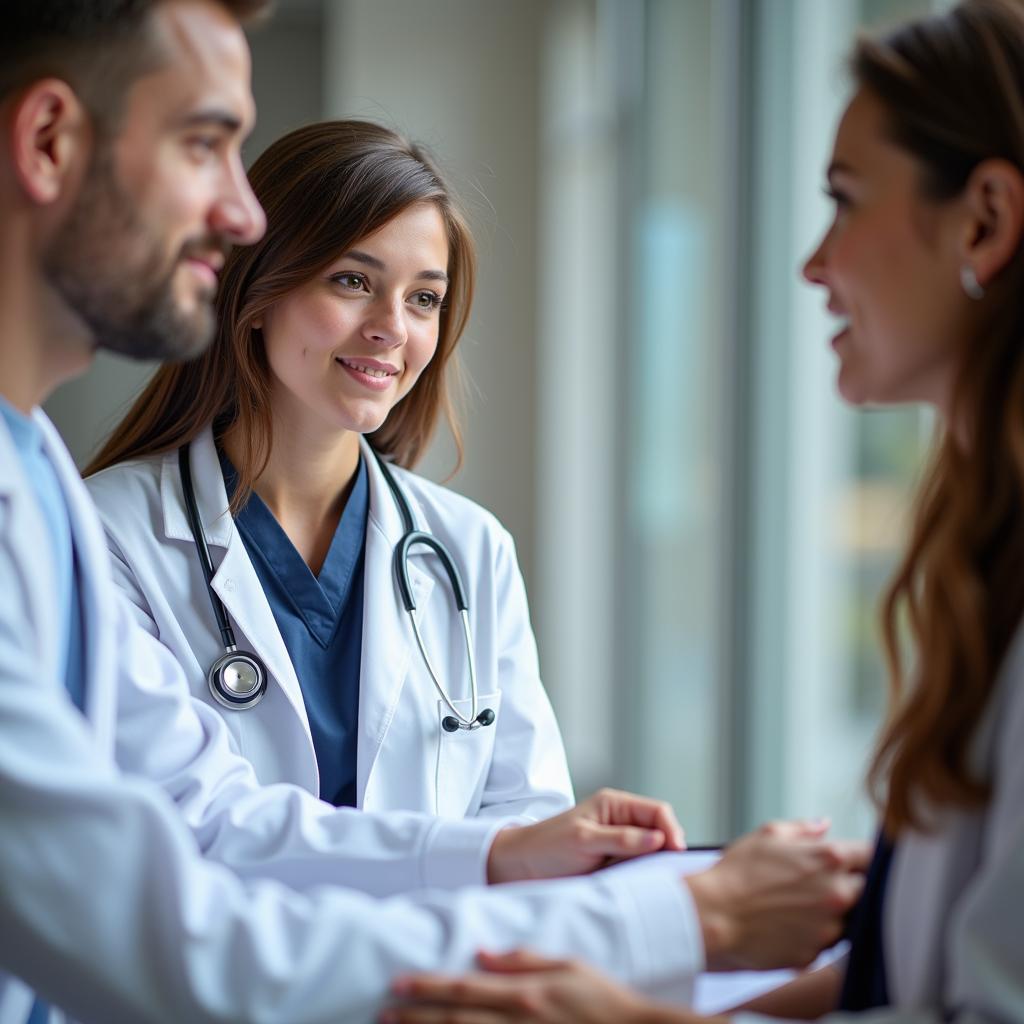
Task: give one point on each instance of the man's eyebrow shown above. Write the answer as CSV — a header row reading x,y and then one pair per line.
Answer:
x,y
211,117
371,261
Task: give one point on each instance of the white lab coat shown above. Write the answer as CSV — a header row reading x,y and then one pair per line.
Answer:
x,y
107,906
953,919
405,760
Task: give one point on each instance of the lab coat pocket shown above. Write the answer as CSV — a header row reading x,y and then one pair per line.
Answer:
x,y
464,758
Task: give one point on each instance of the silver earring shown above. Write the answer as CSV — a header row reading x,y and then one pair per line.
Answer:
x,y
969,283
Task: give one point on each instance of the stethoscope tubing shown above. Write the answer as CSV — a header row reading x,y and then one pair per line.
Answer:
x,y
227,634
227,665
410,538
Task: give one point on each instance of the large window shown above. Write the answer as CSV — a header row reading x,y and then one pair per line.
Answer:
x,y
750,519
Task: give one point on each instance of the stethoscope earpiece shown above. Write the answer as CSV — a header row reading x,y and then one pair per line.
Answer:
x,y
451,724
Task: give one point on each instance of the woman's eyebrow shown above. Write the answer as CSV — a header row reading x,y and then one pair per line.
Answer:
x,y
839,167
371,261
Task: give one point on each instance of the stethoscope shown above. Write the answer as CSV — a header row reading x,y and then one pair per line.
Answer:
x,y
238,678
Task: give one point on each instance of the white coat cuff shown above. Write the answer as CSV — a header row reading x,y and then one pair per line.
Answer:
x,y
456,852
663,932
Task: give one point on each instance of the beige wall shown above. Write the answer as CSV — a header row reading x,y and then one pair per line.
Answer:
x,y
461,76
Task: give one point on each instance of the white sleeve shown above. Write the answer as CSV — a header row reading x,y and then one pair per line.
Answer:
x,y
281,831
108,910
529,773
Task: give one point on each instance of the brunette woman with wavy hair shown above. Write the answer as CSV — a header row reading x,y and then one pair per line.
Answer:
x,y
335,343
923,264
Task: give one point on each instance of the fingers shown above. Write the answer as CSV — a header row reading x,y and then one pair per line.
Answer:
x,y
807,828
617,808
475,990
846,890
621,841
853,855
517,961
443,1015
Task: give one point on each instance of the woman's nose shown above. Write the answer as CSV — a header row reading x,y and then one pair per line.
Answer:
x,y
813,270
385,324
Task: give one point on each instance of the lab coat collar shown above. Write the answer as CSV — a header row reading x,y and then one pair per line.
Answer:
x,y
211,494
383,509
212,498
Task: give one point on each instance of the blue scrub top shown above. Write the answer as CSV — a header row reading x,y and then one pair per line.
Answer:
x,y
321,623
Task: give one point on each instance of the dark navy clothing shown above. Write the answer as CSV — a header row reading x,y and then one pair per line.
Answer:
x,y
321,623
865,986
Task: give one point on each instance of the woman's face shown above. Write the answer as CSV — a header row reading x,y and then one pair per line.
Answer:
x,y
348,345
890,262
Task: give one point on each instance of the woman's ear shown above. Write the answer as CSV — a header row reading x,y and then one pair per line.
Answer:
x,y
50,140
994,194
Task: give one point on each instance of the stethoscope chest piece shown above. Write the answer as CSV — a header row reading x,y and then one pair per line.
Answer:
x,y
238,680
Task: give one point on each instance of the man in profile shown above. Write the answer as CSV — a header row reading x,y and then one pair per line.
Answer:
x,y
121,186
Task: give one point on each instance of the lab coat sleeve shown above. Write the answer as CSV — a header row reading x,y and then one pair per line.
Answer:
x,y
108,910
280,831
984,950
529,774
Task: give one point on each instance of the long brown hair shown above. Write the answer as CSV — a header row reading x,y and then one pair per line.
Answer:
x,y
323,188
953,91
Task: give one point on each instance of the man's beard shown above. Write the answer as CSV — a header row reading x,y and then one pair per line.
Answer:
x,y
114,274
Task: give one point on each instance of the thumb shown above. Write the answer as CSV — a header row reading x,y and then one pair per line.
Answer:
x,y
623,840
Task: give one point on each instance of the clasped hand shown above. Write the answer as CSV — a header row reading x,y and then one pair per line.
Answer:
x,y
607,827
776,898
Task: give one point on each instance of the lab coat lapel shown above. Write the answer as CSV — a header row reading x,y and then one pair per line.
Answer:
x,y
96,589
388,639
234,580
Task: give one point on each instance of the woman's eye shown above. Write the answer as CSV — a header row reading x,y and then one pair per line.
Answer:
x,y
351,282
427,300
840,199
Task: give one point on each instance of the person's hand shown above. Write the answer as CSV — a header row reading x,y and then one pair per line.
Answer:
x,y
606,827
519,987
778,896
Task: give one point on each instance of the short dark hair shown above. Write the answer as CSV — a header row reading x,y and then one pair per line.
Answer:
x,y
99,47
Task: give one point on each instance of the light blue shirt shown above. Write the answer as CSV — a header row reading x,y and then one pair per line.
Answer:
x,y
28,440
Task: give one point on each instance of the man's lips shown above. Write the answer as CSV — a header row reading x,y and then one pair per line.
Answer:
x,y
205,268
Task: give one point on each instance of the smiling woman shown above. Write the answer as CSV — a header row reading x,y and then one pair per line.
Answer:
x,y
334,350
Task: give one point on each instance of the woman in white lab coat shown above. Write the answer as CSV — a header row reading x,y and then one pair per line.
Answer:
x,y
335,343
924,264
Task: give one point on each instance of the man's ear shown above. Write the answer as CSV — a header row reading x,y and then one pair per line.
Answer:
x,y
50,140
994,194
